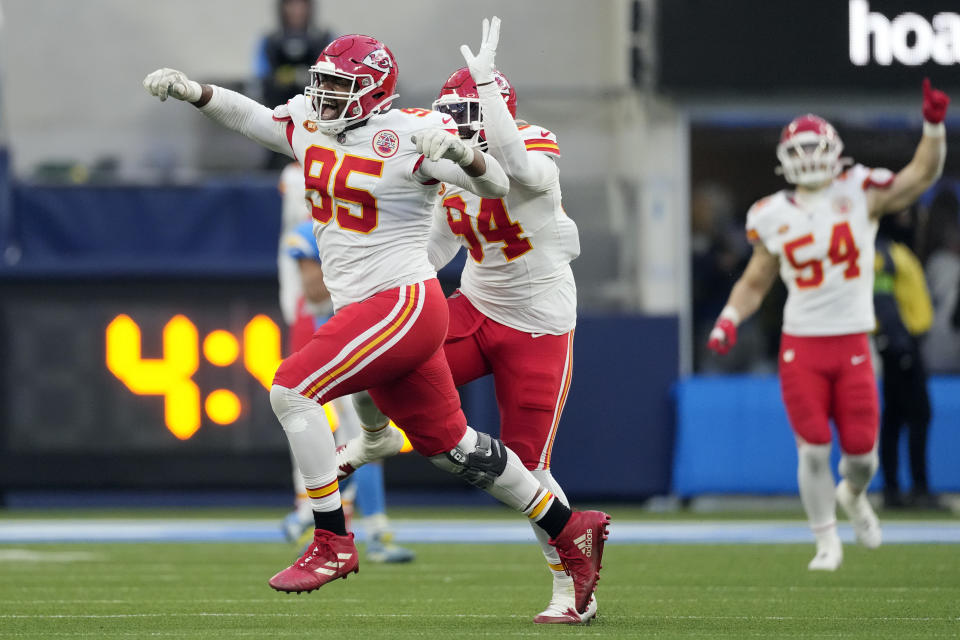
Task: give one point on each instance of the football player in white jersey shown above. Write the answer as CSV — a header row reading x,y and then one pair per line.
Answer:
x,y
516,309
820,238
372,192
311,309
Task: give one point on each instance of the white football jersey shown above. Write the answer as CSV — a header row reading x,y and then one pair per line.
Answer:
x,y
372,216
519,250
294,211
825,243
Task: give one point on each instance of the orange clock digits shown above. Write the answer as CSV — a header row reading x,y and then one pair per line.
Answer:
x,y
170,376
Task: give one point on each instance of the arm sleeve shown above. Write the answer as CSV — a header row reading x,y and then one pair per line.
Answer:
x,y
531,169
492,184
443,245
243,115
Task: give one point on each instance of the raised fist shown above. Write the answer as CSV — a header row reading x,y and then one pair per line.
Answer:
x,y
934,103
723,336
170,82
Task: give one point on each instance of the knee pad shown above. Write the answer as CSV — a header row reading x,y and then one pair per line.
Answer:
x,y
859,469
814,457
291,408
371,418
481,467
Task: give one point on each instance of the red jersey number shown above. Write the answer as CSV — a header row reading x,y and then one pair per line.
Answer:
x,y
843,249
319,163
493,223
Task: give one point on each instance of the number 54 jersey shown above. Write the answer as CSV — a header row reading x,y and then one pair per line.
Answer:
x,y
825,243
520,247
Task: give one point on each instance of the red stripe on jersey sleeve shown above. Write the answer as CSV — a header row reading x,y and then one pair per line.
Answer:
x,y
290,127
417,166
545,149
883,184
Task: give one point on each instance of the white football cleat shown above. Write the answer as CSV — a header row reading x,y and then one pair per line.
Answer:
x,y
829,555
866,525
562,609
368,447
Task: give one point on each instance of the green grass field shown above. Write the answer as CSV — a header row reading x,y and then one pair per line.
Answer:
x,y
213,590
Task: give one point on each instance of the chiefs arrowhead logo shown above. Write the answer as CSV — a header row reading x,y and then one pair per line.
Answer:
x,y
378,59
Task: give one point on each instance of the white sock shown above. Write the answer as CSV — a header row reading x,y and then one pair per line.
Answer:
x,y
549,551
308,432
816,485
858,470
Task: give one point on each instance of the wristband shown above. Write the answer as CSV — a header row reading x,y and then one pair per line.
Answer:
x,y
934,130
730,314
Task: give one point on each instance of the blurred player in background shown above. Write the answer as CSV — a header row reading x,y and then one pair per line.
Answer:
x,y
366,487
284,56
904,315
371,174
515,312
820,237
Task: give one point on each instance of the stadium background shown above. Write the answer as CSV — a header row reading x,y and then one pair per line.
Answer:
x,y
114,205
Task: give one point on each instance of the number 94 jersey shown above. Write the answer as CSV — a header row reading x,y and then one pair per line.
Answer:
x,y
520,247
825,243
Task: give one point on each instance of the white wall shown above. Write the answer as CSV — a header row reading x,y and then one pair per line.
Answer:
x,y
72,72
72,68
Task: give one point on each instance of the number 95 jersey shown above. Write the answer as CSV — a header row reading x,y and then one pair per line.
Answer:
x,y
825,243
372,215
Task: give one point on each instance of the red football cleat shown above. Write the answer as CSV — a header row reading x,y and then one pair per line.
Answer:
x,y
329,557
580,546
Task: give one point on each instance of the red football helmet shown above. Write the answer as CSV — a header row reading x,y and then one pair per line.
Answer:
x,y
459,99
809,151
371,71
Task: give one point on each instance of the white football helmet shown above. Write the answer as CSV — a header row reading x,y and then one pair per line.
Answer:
x,y
809,152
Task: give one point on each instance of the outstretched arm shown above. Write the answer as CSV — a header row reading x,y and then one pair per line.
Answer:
x,y
228,108
927,163
529,168
745,298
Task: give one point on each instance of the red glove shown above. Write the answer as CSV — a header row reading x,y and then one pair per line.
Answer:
x,y
723,336
934,103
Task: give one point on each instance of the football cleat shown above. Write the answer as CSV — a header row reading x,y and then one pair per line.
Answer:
x,y
329,557
380,549
829,555
580,546
369,447
561,608
866,525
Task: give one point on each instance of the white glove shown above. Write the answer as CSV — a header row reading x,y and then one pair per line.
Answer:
x,y
170,82
435,144
481,65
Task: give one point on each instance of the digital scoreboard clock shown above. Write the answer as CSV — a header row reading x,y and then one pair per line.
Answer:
x,y
140,366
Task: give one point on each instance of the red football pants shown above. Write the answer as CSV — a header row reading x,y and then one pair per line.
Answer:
x,y
824,377
531,376
389,344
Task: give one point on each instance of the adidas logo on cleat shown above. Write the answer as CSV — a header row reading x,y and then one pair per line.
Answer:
x,y
585,543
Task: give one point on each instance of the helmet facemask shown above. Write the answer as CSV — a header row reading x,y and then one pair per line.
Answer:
x,y
466,113
354,87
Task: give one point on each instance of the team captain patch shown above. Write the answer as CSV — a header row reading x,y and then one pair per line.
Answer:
x,y
386,143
